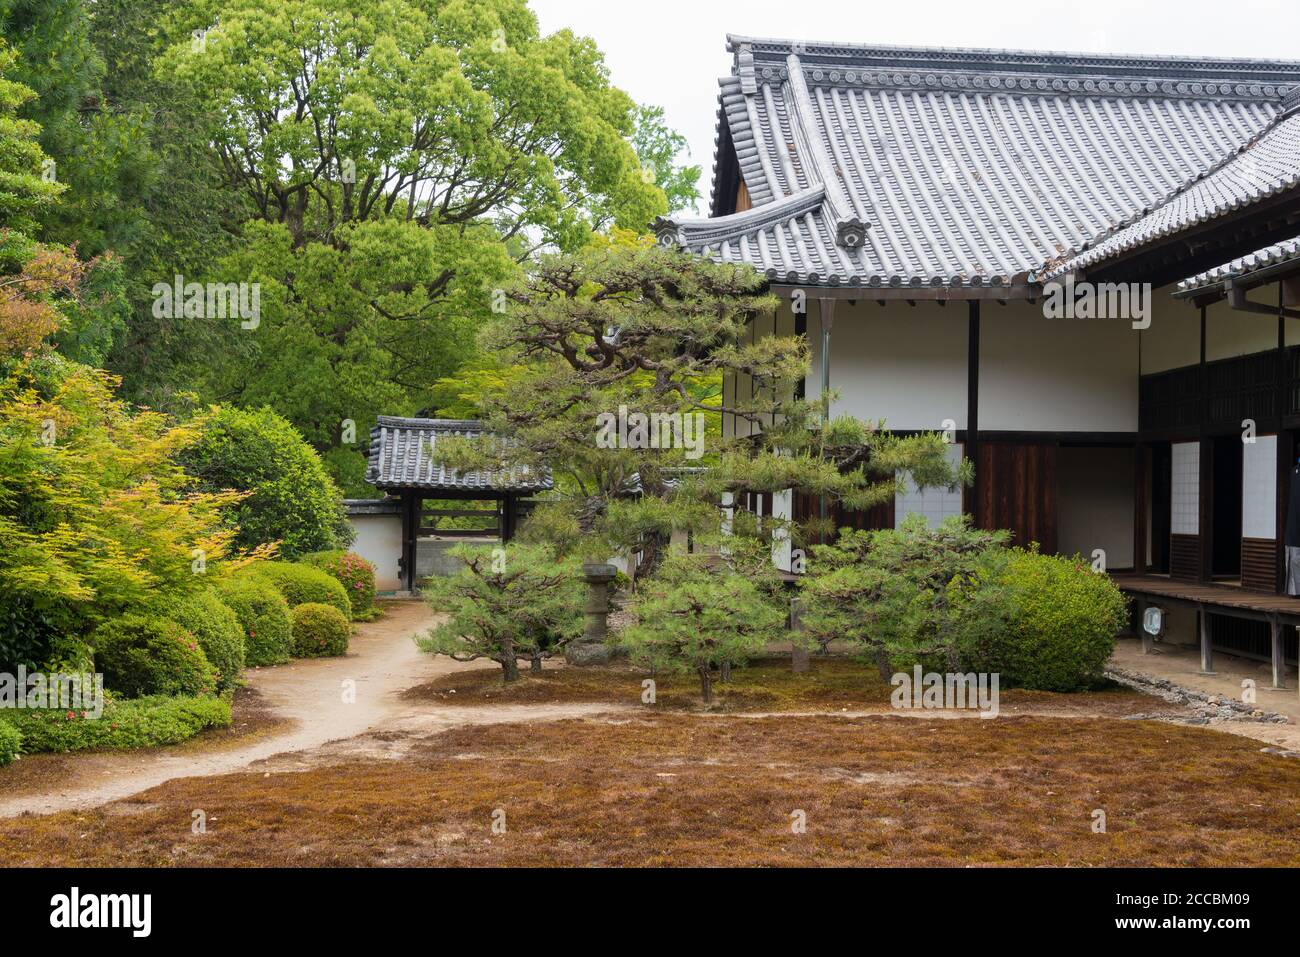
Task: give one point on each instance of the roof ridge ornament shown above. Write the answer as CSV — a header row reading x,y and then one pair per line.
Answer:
x,y
851,233
745,69
668,232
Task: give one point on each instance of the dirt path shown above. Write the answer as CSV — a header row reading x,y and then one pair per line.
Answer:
x,y
315,723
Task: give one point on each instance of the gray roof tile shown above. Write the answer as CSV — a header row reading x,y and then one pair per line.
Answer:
x,y
1242,267
971,167
1265,165
401,457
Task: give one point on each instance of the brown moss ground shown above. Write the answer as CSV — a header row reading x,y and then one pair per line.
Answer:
x,y
681,789
831,684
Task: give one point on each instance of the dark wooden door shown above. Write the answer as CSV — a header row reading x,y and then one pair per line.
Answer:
x,y
1015,486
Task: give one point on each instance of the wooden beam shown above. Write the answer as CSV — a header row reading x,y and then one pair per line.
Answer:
x,y
921,293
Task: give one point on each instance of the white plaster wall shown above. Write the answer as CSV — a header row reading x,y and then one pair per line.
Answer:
x,y
379,541
1095,503
1230,332
901,363
1066,375
1174,338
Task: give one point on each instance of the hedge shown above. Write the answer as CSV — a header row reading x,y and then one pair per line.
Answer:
x,y
302,583
143,655
319,631
11,741
218,631
264,615
354,573
125,724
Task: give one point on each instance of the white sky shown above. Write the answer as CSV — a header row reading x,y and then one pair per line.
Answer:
x,y
671,52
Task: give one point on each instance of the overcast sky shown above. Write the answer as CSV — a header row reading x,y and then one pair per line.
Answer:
x,y
671,52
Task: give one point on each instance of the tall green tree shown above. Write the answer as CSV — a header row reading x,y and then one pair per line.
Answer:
x,y
658,148
397,160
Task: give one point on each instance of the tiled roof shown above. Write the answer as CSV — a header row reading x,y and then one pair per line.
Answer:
x,y
1265,165
401,456
1242,267
884,166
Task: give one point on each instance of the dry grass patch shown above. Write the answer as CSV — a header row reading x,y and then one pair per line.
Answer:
x,y
831,684
680,789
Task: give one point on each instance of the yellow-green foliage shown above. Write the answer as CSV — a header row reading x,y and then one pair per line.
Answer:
x,y
96,518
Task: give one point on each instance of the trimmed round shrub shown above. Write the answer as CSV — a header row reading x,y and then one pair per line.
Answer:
x,y
219,632
319,631
264,615
143,655
11,743
1063,619
354,573
302,583
292,499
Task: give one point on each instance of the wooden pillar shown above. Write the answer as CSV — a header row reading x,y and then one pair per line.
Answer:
x,y
1140,507
1285,456
801,329
827,308
973,399
509,518
1205,497
1207,654
410,533
1279,667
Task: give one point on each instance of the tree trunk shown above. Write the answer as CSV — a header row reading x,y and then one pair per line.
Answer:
x,y
882,664
654,548
724,672
509,666
536,666
706,685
